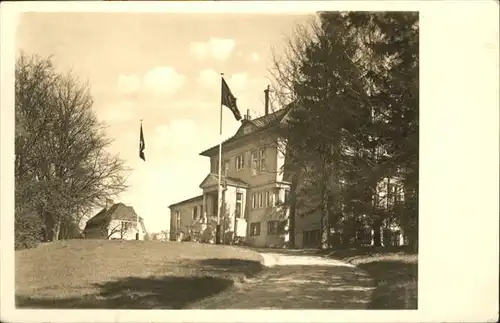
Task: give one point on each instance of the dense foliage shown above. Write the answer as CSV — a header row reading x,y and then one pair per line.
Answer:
x,y
352,135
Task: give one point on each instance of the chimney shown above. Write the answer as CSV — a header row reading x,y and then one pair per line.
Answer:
x,y
109,203
247,116
266,98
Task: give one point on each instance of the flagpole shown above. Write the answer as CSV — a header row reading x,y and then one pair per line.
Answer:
x,y
219,193
137,215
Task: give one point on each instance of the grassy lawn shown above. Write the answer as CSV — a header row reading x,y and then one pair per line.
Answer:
x,y
395,271
127,274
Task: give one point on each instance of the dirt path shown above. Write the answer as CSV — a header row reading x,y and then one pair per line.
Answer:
x,y
298,282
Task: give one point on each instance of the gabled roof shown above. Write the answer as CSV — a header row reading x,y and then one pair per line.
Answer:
x,y
118,211
193,199
213,179
258,124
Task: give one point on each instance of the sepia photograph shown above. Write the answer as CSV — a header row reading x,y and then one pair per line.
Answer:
x,y
146,144
211,160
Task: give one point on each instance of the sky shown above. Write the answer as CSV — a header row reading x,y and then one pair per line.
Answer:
x,y
164,69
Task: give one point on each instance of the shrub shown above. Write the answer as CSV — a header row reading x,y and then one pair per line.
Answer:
x,y
27,233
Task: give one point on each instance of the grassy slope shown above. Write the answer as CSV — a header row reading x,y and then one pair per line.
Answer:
x,y
395,271
127,274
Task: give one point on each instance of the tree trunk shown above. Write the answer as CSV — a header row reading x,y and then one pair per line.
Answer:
x,y
377,236
292,212
57,230
48,226
324,227
325,234
377,222
410,216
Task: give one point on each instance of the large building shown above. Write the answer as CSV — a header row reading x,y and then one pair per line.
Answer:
x,y
254,188
254,195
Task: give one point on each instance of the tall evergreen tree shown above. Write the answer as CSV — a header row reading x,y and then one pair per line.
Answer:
x,y
354,84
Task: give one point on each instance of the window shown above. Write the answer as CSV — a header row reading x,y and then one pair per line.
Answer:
x,y
225,170
201,211
240,162
277,199
272,227
126,225
195,212
276,227
237,212
272,198
262,199
255,229
311,238
254,162
239,199
282,227
262,159
287,196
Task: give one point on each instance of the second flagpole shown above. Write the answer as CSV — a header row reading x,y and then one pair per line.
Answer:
x,y
137,236
219,193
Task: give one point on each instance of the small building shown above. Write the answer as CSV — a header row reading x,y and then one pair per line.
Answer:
x,y
186,218
117,221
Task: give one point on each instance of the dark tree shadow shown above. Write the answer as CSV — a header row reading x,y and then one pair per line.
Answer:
x,y
167,292
244,268
397,284
207,278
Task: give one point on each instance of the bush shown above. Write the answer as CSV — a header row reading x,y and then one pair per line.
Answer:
x,y
27,233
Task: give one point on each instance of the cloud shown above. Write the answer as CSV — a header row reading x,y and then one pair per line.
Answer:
x,y
164,80
160,80
218,48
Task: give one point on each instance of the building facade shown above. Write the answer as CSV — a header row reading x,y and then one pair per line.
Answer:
x,y
253,194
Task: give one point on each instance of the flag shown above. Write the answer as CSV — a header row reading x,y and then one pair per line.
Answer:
x,y
228,99
142,145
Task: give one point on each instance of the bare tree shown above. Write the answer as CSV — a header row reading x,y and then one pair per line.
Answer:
x,y
122,227
61,159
